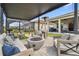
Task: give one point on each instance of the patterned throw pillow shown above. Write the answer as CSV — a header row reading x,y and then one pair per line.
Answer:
x,y
9,50
9,40
2,36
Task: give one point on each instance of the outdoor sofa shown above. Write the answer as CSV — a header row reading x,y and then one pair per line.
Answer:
x,y
24,51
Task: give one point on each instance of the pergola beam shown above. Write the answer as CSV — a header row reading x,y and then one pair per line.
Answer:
x,y
38,14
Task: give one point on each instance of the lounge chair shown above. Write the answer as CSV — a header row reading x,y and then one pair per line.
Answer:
x,y
23,50
64,37
66,46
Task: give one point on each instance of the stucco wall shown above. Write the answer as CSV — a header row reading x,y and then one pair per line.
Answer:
x,y
65,23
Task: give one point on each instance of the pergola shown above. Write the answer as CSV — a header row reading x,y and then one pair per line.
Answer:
x,y
31,11
28,11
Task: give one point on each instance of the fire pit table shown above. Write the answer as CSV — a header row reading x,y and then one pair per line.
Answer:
x,y
35,42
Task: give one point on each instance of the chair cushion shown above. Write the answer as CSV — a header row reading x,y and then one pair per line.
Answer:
x,y
74,37
9,39
1,53
2,36
65,36
19,44
9,50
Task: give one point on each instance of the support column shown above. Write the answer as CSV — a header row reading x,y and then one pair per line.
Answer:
x,y
30,29
19,26
45,28
19,31
48,25
75,21
1,20
6,25
38,23
59,25
34,26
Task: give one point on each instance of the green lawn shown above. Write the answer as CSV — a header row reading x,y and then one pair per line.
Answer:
x,y
54,35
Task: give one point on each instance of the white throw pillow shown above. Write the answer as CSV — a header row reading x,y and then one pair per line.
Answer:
x,y
9,39
1,53
19,44
2,36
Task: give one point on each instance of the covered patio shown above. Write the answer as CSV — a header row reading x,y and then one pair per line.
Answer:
x,y
27,12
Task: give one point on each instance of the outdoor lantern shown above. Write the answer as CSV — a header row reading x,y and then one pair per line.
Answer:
x,y
45,18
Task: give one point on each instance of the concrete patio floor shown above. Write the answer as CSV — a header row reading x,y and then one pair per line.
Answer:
x,y
47,49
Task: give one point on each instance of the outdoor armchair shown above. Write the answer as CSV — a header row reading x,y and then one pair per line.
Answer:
x,y
69,49
68,46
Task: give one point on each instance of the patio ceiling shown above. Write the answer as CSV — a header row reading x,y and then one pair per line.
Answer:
x,y
28,11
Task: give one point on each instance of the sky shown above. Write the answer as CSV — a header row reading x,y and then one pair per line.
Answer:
x,y
60,11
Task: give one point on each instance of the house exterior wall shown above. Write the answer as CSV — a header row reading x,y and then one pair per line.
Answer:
x,y
54,25
64,23
36,27
43,26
